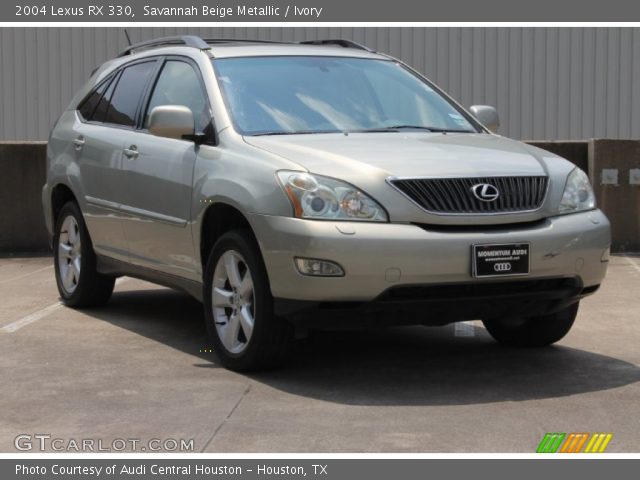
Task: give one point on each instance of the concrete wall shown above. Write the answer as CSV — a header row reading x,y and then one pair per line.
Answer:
x,y
547,83
22,167
23,174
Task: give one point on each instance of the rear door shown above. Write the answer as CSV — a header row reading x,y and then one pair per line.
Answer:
x,y
106,114
159,176
98,153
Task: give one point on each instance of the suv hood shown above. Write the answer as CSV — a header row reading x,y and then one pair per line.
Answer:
x,y
368,159
404,154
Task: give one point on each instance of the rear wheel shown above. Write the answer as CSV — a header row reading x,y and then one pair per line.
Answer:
x,y
79,283
245,333
533,331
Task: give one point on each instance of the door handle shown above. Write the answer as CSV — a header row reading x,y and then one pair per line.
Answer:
x,y
79,142
131,152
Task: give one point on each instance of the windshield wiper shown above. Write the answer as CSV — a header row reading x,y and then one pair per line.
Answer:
x,y
291,132
397,128
393,128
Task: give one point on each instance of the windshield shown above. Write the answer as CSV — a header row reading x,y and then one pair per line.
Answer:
x,y
288,95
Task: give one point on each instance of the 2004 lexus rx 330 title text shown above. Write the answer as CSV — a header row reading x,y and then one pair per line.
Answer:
x,y
312,185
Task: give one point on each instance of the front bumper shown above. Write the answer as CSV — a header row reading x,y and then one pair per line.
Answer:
x,y
377,257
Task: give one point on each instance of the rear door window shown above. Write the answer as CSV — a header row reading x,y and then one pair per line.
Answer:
x,y
128,92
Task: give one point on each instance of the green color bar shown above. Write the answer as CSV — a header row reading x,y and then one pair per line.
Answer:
x,y
542,447
550,442
557,443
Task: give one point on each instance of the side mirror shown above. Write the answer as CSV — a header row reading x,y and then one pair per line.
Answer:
x,y
172,121
487,116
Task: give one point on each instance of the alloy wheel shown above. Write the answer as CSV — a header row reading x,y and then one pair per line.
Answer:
x,y
69,254
232,297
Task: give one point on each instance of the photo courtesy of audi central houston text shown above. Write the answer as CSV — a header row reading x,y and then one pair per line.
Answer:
x,y
309,185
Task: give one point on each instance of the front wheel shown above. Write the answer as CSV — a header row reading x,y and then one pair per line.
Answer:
x,y
537,331
245,333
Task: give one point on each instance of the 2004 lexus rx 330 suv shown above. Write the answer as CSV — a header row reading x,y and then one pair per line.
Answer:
x,y
321,184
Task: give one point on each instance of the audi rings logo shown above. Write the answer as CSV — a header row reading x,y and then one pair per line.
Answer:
x,y
502,267
485,192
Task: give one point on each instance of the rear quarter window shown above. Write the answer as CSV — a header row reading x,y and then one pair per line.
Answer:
x,y
100,112
91,101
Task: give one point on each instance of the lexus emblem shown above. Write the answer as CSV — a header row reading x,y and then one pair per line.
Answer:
x,y
485,192
502,267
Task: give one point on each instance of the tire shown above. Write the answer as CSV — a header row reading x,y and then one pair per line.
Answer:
x,y
245,333
79,283
533,331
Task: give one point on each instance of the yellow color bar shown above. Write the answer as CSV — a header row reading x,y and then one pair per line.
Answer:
x,y
606,441
596,445
598,442
591,442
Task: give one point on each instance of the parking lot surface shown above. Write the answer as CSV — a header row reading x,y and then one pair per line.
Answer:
x,y
139,369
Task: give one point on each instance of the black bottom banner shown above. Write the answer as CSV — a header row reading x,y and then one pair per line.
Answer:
x,y
316,468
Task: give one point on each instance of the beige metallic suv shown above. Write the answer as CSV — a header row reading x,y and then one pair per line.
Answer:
x,y
312,185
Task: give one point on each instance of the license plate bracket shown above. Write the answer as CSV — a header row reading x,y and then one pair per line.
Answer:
x,y
500,259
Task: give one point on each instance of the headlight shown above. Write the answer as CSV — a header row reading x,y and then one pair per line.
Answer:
x,y
578,194
314,196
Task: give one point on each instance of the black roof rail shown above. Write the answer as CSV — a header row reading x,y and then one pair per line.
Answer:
x,y
186,40
340,42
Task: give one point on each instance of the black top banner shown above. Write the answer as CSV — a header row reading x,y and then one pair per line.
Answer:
x,y
313,11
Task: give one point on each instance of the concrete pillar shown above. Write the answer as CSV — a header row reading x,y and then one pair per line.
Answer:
x,y
614,170
576,151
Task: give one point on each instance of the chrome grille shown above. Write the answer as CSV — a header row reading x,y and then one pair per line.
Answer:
x,y
455,195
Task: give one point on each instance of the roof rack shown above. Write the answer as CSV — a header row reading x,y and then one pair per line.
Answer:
x,y
203,43
340,42
186,40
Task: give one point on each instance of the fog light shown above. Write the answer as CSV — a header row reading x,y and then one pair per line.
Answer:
x,y
605,254
318,268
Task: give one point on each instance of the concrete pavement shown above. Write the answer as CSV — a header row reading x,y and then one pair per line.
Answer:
x,y
138,369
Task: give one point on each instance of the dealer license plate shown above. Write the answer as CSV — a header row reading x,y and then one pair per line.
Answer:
x,y
500,260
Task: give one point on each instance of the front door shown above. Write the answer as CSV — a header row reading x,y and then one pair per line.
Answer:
x,y
159,178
